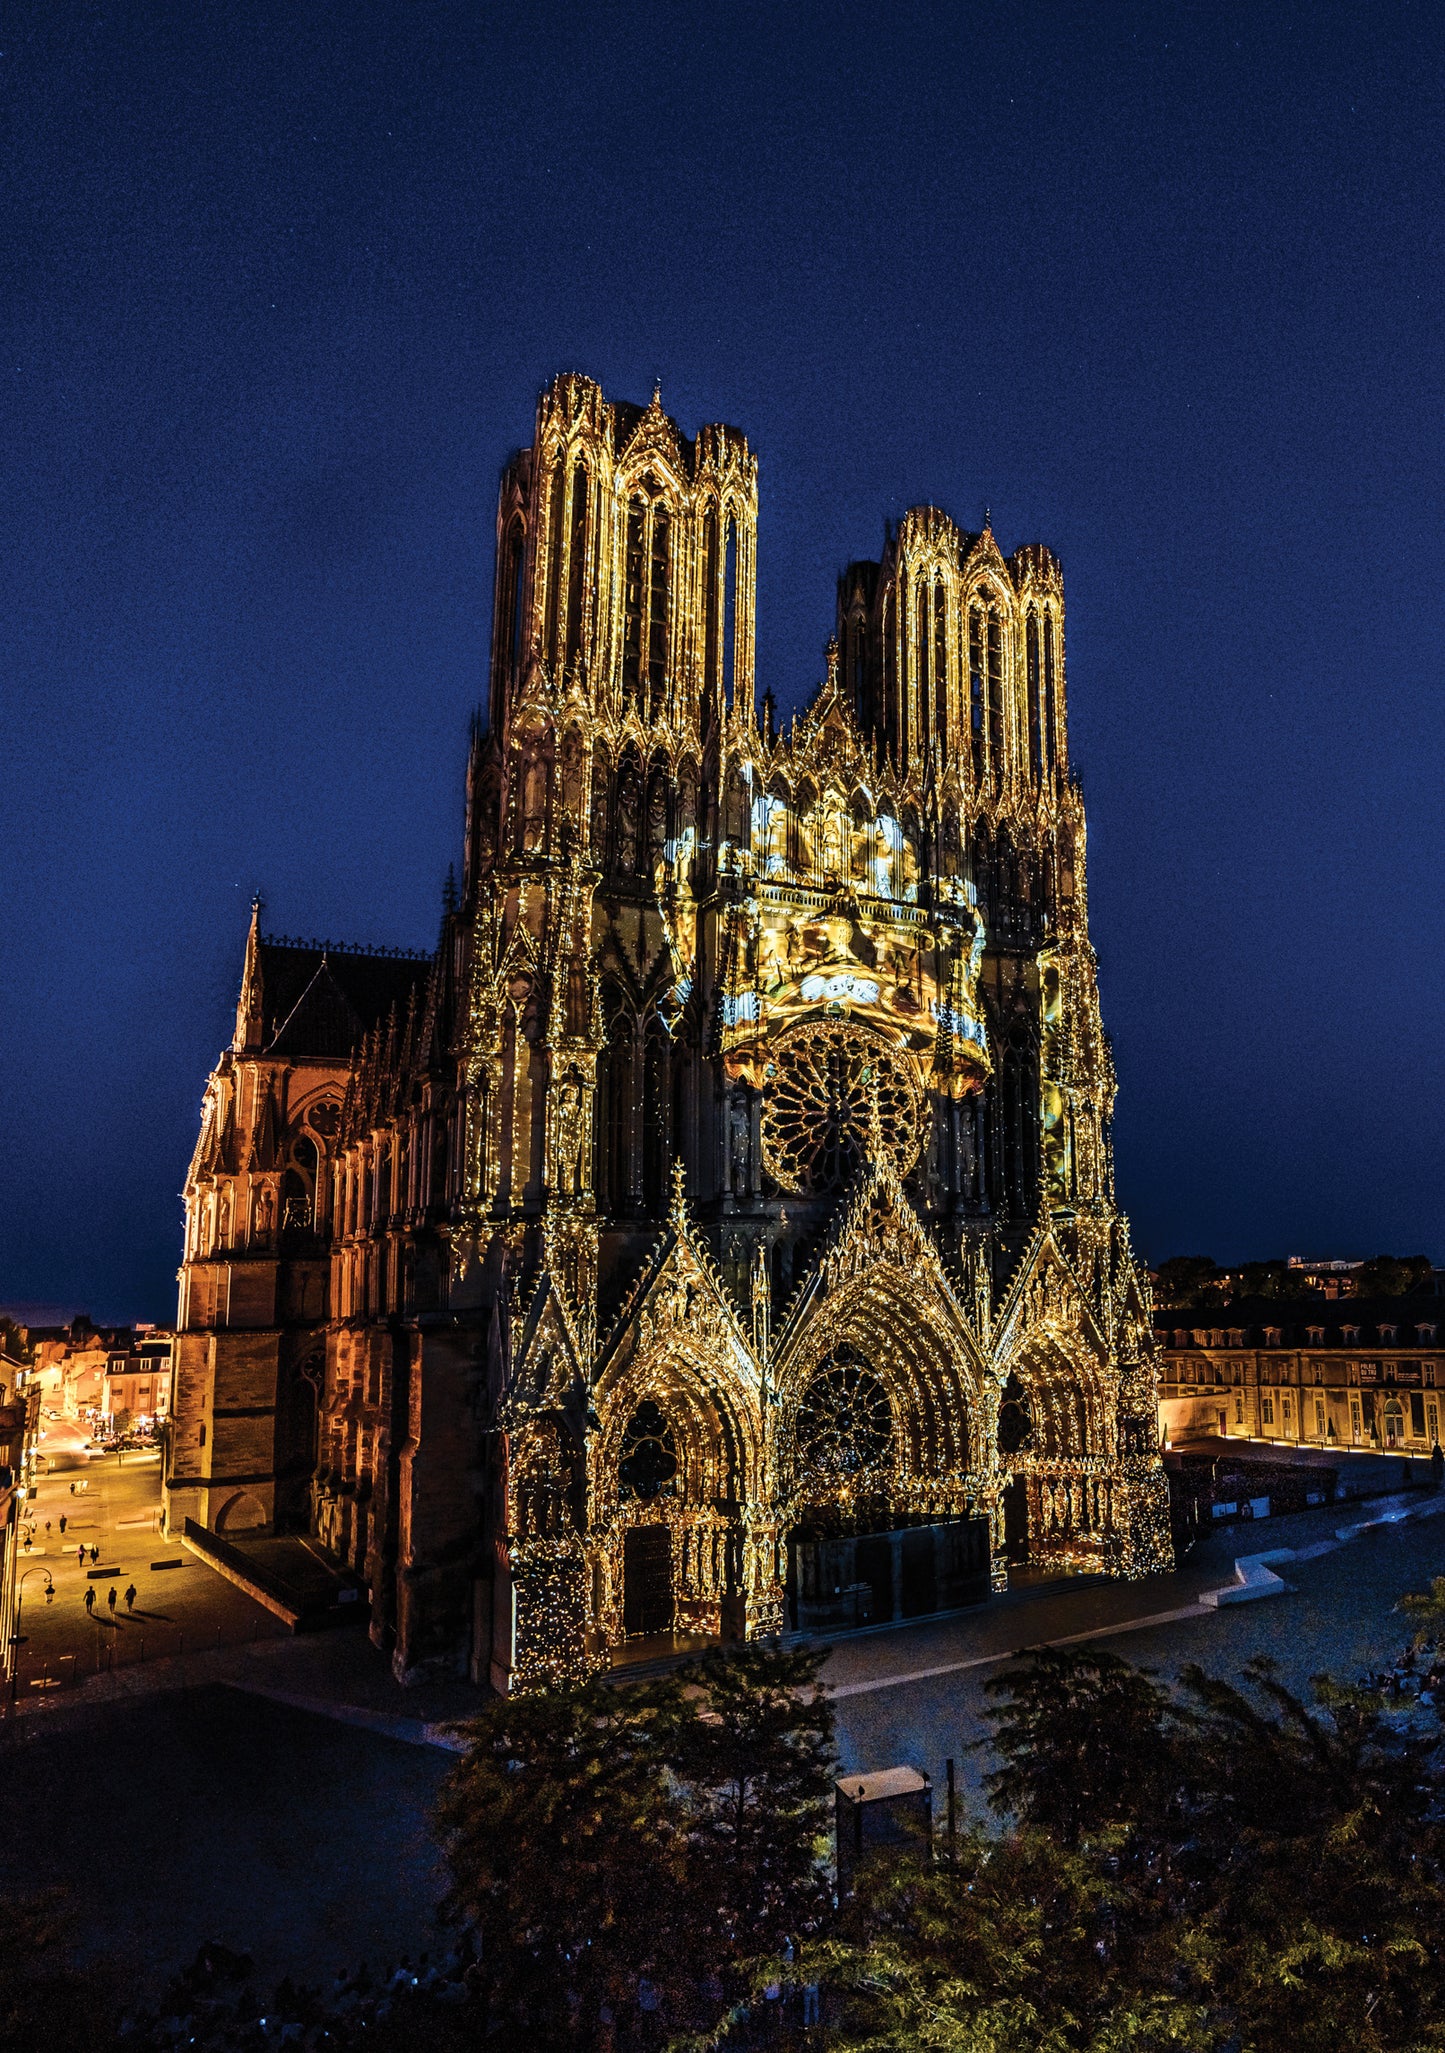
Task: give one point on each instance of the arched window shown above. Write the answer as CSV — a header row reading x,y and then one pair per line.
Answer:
x,y
977,732
577,564
923,644
509,642
617,1121
1051,706
635,569
657,611
995,696
843,1432
940,665
730,610
554,553
890,679
1036,721
712,604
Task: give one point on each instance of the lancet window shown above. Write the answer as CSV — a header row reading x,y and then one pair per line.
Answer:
x,y
635,575
647,576
940,665
657,610
509,642
985,690
557,528
1051,704
1035,691
577,564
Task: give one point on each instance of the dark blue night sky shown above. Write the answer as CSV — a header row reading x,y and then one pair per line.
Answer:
x,y
1161,286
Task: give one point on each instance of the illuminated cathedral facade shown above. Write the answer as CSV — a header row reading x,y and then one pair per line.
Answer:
x,y
715,1235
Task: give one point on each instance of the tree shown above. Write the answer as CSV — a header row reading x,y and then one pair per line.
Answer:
x,y
1427,1608
1317,1858
622,1847
1393,1275
1085,1741
568,1856
755,1758
1185,1281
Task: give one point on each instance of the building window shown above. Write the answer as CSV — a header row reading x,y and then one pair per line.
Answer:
x,y
1319,1418
1239,1410
1266,1411
1427,1375
1355,1420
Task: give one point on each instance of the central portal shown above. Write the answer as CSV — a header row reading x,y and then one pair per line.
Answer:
x,y
647,1605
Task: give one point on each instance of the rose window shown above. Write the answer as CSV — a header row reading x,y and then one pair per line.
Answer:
x,y
844,1429
821,1084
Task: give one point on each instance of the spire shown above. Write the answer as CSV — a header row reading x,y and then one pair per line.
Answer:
x,y
250,1003
677,1206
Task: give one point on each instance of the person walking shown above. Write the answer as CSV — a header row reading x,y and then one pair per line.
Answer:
x,y
90,1602
111,1600
94,1556
130,1599
62,1525
80,1555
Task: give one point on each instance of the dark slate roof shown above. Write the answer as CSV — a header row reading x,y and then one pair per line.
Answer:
x,y
319,1000
1295,1315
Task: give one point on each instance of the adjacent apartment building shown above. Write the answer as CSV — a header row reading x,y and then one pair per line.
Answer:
x,y
1338,1373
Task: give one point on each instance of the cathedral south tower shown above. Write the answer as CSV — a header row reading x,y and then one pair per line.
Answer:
x,y
716,1235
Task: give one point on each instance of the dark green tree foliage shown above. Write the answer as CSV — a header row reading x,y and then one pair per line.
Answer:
x,y
619,1850
1393,1275
1317,1865
1085,1742
1186,1281
1228,1867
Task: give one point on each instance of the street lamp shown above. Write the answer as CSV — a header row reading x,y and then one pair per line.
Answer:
x,y
15,1635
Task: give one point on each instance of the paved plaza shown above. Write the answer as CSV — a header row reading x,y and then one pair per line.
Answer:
x,y
274,1794
112,1503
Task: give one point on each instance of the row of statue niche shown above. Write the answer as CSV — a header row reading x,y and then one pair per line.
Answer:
x,y
789,949
263,1216
832,841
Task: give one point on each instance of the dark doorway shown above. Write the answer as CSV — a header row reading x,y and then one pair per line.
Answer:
x,y
647,1579
1016,1521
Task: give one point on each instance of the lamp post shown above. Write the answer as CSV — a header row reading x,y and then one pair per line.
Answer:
x,y
15,1635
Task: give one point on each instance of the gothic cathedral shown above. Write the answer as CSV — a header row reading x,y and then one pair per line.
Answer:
x,y
716,1235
